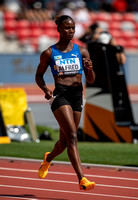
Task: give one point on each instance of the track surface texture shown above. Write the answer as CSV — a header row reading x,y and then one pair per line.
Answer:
x,y
19,180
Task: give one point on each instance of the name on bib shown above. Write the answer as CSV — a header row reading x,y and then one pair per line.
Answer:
x,y
68,66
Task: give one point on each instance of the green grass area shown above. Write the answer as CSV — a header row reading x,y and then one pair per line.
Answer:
x,y
123,154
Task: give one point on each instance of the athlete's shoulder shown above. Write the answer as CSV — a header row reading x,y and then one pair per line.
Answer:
x,y
47,52
46,55
84,51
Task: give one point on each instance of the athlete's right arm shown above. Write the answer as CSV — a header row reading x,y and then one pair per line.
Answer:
x,y
41,69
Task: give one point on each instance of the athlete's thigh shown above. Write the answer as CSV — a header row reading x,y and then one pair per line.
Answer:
x,y
63,138
77,117
65,118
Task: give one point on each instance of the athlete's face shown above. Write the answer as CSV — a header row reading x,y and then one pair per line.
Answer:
x,y
67,29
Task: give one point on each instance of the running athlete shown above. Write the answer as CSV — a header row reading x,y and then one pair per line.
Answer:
x,y
67,61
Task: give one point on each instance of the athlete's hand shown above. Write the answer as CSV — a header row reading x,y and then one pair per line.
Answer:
x,y
87,63
48,94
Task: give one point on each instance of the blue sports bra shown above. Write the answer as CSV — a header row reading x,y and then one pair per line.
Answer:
x,y
67,63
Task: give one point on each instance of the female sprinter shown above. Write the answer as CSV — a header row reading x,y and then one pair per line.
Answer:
x,y
67,60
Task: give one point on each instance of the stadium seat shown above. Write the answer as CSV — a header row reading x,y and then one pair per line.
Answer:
x,y
34,43
121,42
103,16
49,24
136,26
136,17
116,16
104,25
128,35
116,33
115,25
23,34
128,17
34,25
132,44
22,24
51,33
136,34
92,16
10,25
127,26
10,28
35,33
9,15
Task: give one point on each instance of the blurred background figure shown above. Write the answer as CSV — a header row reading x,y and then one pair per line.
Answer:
x,y
108,60
91,34
106,38
105,53
120,5
12,5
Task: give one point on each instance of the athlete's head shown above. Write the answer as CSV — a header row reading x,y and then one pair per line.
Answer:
x,y
65,26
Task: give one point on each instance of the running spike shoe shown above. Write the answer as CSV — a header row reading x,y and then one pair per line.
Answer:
x,y
86,185
43,170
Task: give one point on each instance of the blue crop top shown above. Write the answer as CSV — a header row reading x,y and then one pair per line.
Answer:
x,y
67,63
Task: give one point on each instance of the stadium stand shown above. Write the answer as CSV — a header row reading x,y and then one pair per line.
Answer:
x,y
21,29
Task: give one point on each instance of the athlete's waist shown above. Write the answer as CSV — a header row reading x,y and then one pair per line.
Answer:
x,y
74,85
68,89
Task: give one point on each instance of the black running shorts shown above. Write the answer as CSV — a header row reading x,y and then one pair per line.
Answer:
x,y
67,95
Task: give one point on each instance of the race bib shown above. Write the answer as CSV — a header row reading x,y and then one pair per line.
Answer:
x,y
68,66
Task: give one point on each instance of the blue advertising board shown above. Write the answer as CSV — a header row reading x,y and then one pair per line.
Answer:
x,y
20,68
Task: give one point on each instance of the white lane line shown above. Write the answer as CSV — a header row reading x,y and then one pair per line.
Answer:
x,y
67,182
69,174
68,163
70,192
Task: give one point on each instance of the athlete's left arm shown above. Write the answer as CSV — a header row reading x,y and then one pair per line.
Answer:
x,y
87,65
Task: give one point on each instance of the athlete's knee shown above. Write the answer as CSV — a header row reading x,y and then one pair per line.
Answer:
x,y
72,139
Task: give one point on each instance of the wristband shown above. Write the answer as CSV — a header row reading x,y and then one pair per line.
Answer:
x,y
119,49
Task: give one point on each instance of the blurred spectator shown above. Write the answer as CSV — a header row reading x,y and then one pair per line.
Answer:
x,y
1,3
77,10
106,6
93,4
105,52
92,33
107,39
12,5
133,5
27,3
81,13
120,5
35,14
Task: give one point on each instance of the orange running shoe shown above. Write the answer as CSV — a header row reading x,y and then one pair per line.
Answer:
x,y
86,185
43,170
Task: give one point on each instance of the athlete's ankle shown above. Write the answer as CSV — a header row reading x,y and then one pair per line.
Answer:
x,y
48,159
80,178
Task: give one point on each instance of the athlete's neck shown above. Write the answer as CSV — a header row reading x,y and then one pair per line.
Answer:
x,y
65,46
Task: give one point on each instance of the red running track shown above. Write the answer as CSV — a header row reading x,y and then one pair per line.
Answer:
x,y
35,95
19,180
